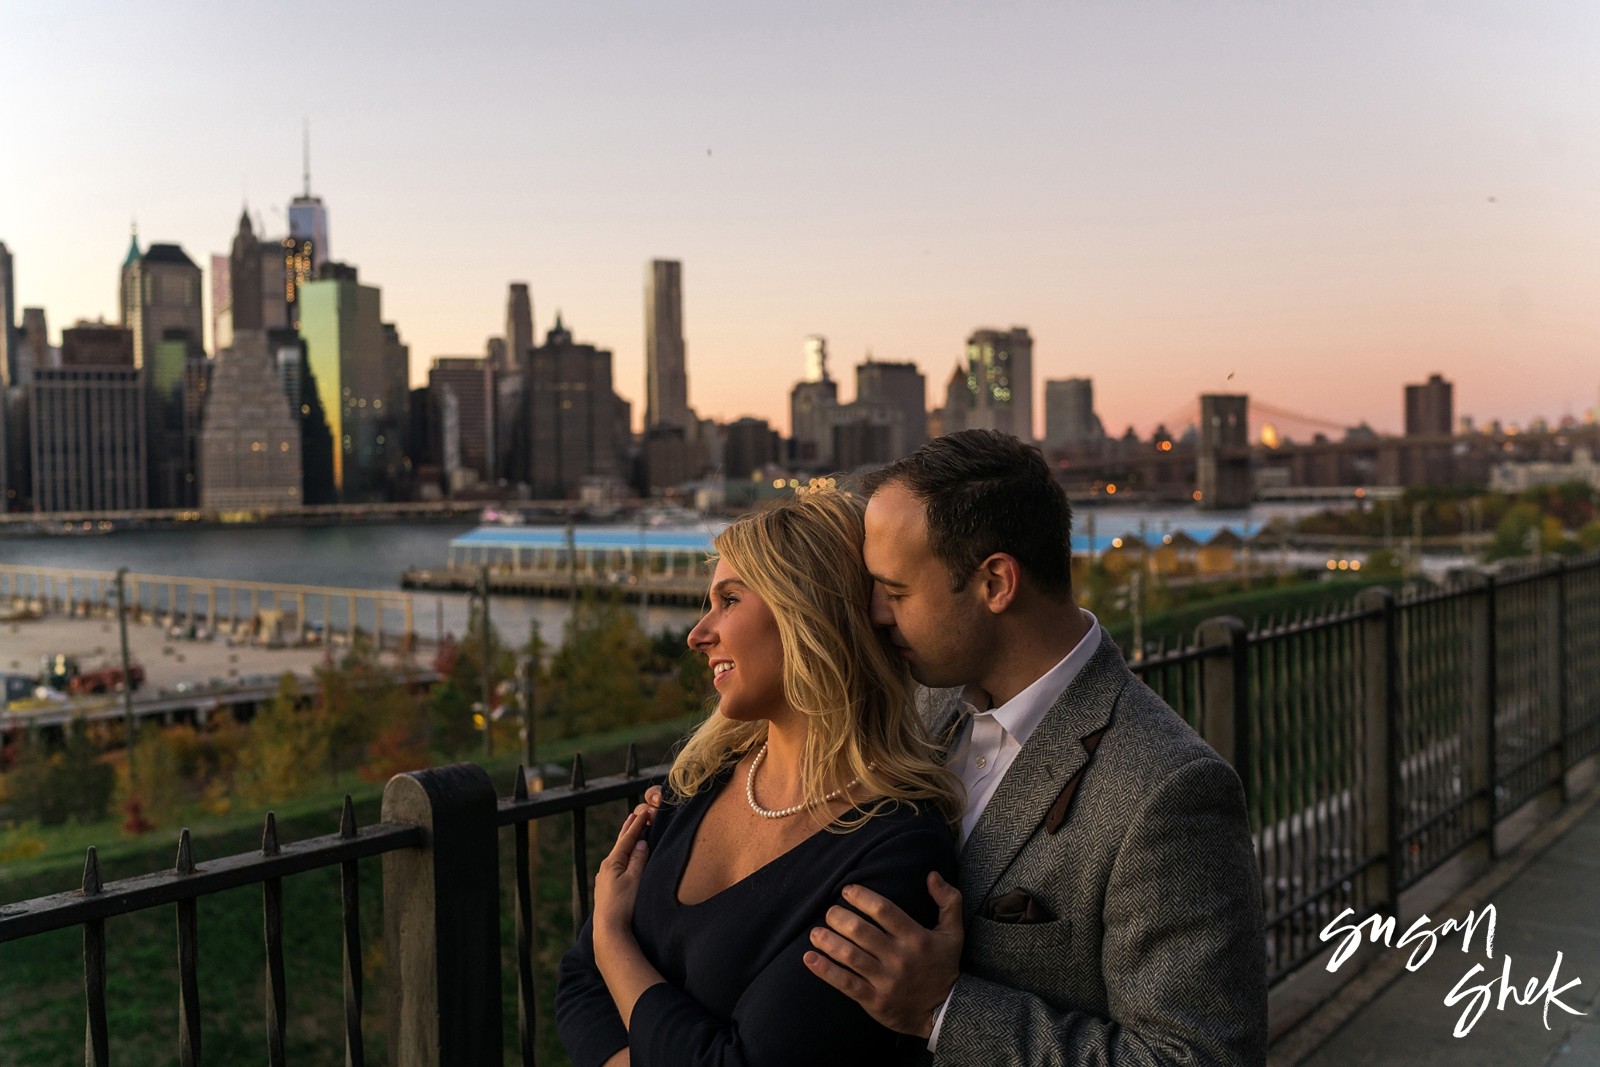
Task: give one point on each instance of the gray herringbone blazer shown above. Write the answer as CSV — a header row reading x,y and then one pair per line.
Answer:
x,y
1155,952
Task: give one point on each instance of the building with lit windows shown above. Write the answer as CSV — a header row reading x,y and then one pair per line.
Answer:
x,y
999,369
249,438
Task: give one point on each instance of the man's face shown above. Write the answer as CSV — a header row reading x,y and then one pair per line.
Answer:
x,y
942,634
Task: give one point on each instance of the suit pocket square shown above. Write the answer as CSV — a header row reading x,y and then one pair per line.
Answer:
x,y
1015,906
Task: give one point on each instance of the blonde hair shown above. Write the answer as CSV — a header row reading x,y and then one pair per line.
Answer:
x,y
803,557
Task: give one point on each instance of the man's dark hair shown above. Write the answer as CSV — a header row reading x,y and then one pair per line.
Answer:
x,y
988,492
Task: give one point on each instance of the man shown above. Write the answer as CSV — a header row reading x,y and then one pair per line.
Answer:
x,y
1109,909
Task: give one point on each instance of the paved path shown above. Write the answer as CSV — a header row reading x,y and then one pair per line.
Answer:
x,y
1550,905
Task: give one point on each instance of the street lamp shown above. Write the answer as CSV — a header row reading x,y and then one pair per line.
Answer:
x,y
486,648
131,725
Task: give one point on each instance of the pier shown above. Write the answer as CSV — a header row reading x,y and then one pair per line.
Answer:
x,y
266,613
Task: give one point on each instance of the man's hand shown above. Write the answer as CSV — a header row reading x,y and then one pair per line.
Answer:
x,y
900,972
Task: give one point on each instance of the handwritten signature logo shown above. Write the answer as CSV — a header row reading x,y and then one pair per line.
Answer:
x,y
1425,936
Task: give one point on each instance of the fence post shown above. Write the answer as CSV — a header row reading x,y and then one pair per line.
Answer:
x,y
441,920
1563,696
1486,733
1225,693
1378,735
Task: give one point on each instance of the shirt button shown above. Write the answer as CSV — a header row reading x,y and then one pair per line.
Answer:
x,y
982,761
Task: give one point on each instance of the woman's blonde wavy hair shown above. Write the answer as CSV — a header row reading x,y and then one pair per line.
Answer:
x,y
803,557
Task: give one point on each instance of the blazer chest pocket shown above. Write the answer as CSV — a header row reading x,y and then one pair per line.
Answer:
x,y
1028,955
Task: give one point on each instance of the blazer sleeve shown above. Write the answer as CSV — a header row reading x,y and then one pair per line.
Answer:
x,y
788,1015
587,1019
1183,950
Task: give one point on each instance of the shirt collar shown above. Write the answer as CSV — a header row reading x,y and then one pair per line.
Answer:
x,y
1022,714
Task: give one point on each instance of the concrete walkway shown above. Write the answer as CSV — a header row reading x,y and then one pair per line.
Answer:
x,y
1548,901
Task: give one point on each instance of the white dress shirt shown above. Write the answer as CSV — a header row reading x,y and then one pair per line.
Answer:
x,y
991,738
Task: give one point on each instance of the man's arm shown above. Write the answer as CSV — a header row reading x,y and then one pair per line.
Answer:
x,y
1183,954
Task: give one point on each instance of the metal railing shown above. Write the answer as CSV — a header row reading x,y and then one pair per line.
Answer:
x,y
1374,744
1379,742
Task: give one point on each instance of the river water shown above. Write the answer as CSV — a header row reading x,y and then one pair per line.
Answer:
x,y
374,556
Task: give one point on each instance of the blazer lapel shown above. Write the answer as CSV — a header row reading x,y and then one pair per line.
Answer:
x,y
1052,756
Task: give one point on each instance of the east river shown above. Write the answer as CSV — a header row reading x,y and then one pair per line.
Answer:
x,y
374,556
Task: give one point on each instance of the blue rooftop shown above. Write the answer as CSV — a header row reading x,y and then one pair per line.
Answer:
x,y
655,538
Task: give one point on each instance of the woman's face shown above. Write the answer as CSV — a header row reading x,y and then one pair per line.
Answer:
x,y
739,637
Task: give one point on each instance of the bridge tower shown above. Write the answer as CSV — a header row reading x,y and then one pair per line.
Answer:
x,y
1223,472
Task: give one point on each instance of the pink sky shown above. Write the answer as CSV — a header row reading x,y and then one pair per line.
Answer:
x,y
1314,207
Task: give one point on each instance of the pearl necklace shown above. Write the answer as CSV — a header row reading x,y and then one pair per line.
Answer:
x,y
784,813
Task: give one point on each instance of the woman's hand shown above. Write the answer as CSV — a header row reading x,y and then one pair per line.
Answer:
x,y
626,972
616,886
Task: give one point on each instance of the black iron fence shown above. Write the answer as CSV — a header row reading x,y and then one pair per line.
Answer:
x,y
1374,743
1378,742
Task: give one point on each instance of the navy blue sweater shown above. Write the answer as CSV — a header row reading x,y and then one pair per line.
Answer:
x,y
737,991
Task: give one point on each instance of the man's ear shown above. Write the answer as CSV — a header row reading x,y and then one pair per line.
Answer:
x,y
999,581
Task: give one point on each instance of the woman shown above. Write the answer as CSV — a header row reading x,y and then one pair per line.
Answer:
x,y
811,774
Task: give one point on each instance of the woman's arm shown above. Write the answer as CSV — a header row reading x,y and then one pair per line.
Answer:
x,y
616,889
586,1017
589,1014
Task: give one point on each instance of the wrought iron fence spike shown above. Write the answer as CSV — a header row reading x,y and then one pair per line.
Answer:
x,y
347,818
519,788
632,768
185,864
578,780
91,873
269,836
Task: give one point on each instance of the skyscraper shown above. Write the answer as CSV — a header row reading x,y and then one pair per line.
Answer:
x,y
8,317
308,220
96,344
349,353
579,427
666,376
816,358
88,439
1069,419
160,294
162,308
460,429
250,444
1430,408
900,390
244,278
1000,379
507,429
519,325
811,403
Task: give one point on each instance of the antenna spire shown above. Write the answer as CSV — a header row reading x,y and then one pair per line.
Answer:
x,y
306,154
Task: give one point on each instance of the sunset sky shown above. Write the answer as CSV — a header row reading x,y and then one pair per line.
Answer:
x,y
1313,204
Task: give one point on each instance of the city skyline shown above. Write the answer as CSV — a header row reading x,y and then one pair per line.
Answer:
x,y
1311,207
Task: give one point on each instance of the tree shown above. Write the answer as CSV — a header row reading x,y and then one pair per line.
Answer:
x,y
286,750
73,783
597,679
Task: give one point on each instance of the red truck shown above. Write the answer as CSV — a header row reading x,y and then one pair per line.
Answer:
x,y
106,679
